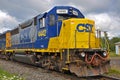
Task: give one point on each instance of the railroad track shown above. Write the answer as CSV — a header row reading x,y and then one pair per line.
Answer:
x,y
67,76
100,77
70,76
105,77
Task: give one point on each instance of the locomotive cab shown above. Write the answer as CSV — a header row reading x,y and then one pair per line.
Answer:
x,y
49,24
57,15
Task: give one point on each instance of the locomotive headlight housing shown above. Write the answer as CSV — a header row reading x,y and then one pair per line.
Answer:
x,y
62,11
75,12
82,54
104,54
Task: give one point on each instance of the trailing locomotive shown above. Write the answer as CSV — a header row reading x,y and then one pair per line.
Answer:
x,y
61,39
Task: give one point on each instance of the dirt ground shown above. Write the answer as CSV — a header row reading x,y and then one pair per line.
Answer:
x,y
115,63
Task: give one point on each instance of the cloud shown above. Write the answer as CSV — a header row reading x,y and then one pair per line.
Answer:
x,y
87,5
106,22
25,9
7,22
105,12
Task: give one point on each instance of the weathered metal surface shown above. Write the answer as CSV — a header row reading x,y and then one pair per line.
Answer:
x,y
30,59
88,70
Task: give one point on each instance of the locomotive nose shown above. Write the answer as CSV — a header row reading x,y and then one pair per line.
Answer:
x,y
81,33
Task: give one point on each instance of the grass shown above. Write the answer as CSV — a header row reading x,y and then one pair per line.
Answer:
x,y
113,54
113,72
4,75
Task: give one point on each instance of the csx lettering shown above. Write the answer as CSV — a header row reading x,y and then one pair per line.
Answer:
x,y
42,33
84,27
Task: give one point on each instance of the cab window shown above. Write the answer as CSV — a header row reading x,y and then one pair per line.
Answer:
x,y
51,20
42,22
64,17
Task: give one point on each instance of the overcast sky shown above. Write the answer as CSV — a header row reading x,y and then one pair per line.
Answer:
x,y
106,13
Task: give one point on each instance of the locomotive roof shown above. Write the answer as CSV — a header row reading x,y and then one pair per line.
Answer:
x,y
53,10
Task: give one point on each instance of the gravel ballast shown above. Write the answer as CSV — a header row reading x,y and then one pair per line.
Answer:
x,y
29,73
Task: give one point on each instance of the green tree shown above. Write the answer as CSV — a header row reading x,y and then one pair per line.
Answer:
x,y
112,43
105,41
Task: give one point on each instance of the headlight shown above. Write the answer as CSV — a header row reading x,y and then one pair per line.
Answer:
x,y
104,54
82,54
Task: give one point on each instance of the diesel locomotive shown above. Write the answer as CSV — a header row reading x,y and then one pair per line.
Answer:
x,y
61,39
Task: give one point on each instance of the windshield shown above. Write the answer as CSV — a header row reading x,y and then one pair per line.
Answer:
x,y
64,17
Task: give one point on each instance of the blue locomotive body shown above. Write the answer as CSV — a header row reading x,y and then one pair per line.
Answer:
x,y
36,32
2,41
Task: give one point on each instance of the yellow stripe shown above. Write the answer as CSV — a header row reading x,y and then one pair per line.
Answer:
x,y
32,50
9,51
8,39
65,69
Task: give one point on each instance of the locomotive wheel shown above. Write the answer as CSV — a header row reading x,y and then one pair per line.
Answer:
x,y
7,57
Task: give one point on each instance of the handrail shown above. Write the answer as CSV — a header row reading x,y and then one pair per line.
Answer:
x,y
96,54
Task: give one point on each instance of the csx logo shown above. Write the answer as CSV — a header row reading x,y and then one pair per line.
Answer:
x,y
42,33
84,27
